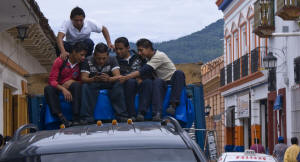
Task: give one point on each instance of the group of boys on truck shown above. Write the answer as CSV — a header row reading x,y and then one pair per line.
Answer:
x,y
81,70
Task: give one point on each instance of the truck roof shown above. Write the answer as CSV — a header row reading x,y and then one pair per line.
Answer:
x,y
140,135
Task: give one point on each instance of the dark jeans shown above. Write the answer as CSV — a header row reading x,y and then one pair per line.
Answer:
x,y
68,47
52,99
159,90
90,92
131,88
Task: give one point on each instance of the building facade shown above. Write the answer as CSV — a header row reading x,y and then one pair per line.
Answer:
x,y
263,102
243,82
20,58
213,98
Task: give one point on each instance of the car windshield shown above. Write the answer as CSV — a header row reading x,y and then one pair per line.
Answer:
x,y
141,155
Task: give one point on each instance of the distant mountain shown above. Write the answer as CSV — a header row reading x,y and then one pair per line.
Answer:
x,y
204,45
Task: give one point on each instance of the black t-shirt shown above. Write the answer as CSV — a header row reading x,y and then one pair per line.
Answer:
x,y
90,66
134,63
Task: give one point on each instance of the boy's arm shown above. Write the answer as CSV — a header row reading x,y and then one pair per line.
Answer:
x,y
53,77
107,37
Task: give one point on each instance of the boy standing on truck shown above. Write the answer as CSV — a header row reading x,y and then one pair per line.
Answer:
x,y
129,61
101,71
65,77
79,29
165,73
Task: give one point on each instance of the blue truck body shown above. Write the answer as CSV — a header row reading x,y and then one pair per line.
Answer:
x,y
191,110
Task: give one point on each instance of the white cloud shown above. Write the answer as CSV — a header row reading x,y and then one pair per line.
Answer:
x,y
158,20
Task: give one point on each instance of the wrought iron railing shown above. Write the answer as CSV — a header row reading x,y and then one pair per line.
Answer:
x,y
222,77
245,65
229,73
236,69
255,60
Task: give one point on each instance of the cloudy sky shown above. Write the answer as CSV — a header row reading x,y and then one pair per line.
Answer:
x,y
158,20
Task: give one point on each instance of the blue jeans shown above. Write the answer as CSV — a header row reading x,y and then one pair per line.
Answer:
x,y
131,88
89,43
159,91
52,99
90,93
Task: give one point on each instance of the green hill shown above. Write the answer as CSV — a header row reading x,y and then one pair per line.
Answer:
x,y
204,45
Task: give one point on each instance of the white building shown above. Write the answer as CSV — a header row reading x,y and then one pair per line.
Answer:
x,y
19,58
258,103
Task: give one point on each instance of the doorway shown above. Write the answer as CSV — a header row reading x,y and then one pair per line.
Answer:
x,y
264,123
15,111
8,118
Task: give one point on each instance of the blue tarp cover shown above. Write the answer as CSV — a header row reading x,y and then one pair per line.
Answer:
x,y
103,110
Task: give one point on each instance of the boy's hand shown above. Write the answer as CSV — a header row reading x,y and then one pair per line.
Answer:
x,y
111,46
68,83
67,94
104,77
123,79
64,55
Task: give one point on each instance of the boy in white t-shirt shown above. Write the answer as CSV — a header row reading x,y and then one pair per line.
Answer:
x,y
79,29
164,72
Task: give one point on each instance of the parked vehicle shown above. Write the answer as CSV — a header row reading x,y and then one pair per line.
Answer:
x,y
247,156
109,142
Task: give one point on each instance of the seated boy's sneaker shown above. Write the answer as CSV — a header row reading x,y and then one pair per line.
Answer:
x,y
156,117
64,121
76,123
140,118
83,122
122,119
133,118
171,110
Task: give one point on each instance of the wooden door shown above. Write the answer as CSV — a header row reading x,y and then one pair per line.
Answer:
x,y
20,111
8,125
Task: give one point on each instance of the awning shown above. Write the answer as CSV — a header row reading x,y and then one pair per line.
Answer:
x,y
278,103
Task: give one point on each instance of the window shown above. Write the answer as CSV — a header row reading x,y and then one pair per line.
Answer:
x,y
228,50
236,46
252,38
297,70
125,155
244,46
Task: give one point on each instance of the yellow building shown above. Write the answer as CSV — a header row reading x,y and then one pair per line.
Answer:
x,y
212,96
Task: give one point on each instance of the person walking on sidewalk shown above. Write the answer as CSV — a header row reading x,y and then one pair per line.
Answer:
x,y
280,149
293,151
257,147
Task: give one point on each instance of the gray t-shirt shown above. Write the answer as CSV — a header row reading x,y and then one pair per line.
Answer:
x,y
89,66
162,65
279,151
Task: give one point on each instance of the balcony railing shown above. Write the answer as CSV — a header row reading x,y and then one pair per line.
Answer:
x,y
288,9
264,18
255,60
222,77
229,73
237,69
245,65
